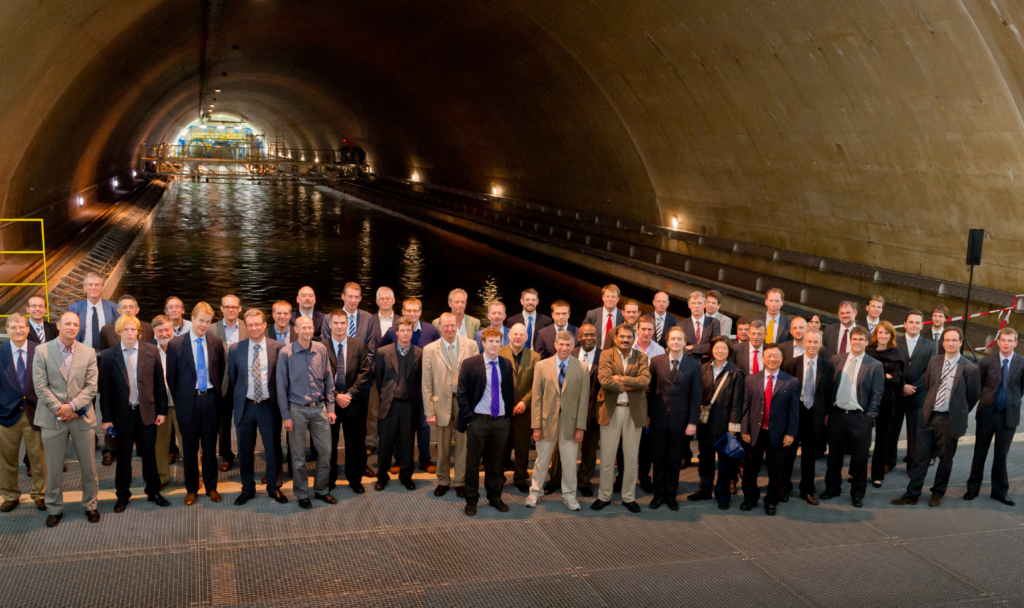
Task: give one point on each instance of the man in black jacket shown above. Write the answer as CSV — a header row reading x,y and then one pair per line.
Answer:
x,y
917,352
350,364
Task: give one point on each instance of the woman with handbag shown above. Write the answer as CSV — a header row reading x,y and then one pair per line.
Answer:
x,y
720,416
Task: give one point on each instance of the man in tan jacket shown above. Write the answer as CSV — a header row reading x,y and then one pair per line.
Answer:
x,y
561,396
621,412
441,362
523,362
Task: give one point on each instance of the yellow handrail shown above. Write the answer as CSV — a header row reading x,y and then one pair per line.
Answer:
x,y
46,280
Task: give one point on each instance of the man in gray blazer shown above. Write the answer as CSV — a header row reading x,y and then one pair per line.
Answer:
x,y
954,386
65,375
231,330
917,352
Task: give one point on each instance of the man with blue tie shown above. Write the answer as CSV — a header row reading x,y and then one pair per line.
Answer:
x,y
496,316
1002,384
195,367
360,322
283,331
351,366
530,318
17,410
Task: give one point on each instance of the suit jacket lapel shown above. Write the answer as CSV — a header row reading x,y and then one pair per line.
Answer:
x,y
7,356
393,355
121,363
960,364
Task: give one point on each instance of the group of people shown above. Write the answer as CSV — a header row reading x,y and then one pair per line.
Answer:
x,y
636,389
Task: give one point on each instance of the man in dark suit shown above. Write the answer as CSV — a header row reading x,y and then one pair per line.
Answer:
x,y
195,367
836,337
352,368
40,330
532,320
306,301
398,369
606,318
663,319
282,330
770,422
17,411
485,396
546,336
126,305
954,386
748,355
379,324
673,405
776,324
360,323
917,352
794,347
698,330
816,378
1002,384
859,382
252,372
231,330
939,316
134,403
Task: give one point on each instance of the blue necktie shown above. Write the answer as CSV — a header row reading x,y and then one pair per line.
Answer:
x,y
21,370
352,325
95,329
529,332
1001,399
561,375
339,378
495,390
201,377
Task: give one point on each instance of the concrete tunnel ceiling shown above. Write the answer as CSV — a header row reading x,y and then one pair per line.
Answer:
x,y
871,131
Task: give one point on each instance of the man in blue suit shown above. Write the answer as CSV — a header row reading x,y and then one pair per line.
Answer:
x,y
496,315
771,420
252,367
17,411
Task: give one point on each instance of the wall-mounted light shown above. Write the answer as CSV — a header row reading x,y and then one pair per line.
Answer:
x,y
81,201
495,190
216,90
675,222
113,183
316,159
134,174
415,176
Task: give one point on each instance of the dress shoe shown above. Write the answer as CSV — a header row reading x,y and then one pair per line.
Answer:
x,y
655,502
810,499
935,501
370,449
328,499
40,504
498,504
305,503
971,496
369,472
120,506
902,500
857,502
395,469
672,503
242,499
550,489
213,495
571,503
647,486
190,498
379,486
632,506
460,491
784,497
531,501
747,506
441,490
226,465
409,484
93,516
732,488
279,497
470,509
723,506
523,487
599,504
699,495
428,467
172,458
53,520
1006,501
769,509
8,506
107,459
827,495
159,500
876,483
587,491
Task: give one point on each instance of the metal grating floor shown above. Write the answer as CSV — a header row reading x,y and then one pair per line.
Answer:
x,y
402,548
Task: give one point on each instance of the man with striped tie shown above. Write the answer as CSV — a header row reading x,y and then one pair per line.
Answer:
x,y
532,320
663,319
954,386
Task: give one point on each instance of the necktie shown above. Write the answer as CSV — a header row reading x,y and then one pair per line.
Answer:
x,y
696,330
495,390
20,368
352,326
675,369
809,386
842,343
95,329
202,380
754,367
133,385
257,375
770,336
608,326
339,380
561,375
41,333
767,400
529,332
660,328
1004,379
940,399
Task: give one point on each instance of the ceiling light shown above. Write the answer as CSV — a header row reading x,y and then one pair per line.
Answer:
x,y
216,90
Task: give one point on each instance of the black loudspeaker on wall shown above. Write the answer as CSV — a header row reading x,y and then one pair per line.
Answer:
x,y
974,242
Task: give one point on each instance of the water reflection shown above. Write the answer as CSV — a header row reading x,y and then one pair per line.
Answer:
x,y
412,269
365,275
489,291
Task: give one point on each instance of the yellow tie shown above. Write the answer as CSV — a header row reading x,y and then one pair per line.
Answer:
x,y
771,332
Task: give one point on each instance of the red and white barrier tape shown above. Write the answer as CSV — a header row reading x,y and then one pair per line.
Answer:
x,y
1004,316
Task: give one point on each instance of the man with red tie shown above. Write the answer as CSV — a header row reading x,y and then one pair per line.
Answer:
x,y
606,318
749,355
836,337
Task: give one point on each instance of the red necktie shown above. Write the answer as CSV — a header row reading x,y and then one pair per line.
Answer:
x,y
608,325
697,327
753,365
842,343
767,402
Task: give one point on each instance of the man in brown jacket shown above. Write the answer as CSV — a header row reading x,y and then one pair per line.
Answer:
x,y
523,361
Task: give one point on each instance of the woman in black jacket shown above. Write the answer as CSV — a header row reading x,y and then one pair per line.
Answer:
x,y
883,348
723,376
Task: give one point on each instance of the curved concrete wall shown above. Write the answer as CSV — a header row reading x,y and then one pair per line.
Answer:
x,y
873,131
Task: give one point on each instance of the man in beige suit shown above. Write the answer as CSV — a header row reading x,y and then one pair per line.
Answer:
x,y
621,412
561,396
523,362
441,362
65,375
465,325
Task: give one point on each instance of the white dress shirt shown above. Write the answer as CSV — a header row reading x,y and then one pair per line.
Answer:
x,y
943,404
605,315
250,393
912,344
462,328
653,349
698,325
774,377
386,323
587,358
846,397
192,337
40,330
798,350
131,355
623,397
484,405
755,353
23,354
185,326
163,362
87,321
231,333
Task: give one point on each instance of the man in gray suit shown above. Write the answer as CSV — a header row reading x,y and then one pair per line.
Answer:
x,y
232,331
65,374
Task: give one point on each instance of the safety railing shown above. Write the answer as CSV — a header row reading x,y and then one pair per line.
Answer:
x,y
41,251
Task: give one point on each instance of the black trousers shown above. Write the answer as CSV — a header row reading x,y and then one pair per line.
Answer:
x,y
666,452
808,439
143,436
518,441
485,440
851,430
257,417
201,432
227,416
645,455
882,432
394,439
353,427
933,439
900,413
706,466
991,423
757,454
